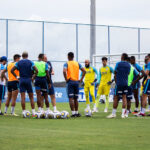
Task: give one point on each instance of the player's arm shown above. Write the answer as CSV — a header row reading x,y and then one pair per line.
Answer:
x,y
83,72
99,78
47,75
136,73
34,68
3,75
13,70
52,70
96,72
35,73
65,71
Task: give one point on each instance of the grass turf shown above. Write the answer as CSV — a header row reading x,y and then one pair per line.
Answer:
x,y
95,133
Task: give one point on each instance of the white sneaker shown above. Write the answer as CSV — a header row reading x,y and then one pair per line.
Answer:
x,y
126,115
105,110
95,110
111,116
123,116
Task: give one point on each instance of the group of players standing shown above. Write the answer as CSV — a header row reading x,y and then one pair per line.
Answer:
x,y
127,73
21,74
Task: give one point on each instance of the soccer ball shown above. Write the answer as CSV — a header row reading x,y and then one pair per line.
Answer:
x,y
26,114
49,115
88,113
40,115
64,115
57,115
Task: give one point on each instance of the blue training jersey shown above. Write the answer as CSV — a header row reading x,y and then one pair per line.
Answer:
x,y
122,70
25,68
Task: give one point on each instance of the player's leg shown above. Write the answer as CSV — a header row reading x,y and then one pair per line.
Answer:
x,y
115,106
13,103
23,101
86,91
149,103
76,103
146,93
106,93
39,99
14,97
99,93
70,93
128,107
124,105
144,103
30,94
136,97
46,100
51,92
92,92
2,95
9,96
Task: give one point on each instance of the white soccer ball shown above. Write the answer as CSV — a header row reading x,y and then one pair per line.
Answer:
x,y
57,115
49,115
40,115
88,113
64,115
26,114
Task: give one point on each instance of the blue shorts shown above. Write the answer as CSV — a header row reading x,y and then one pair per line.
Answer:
x,y
136,86
12,86
2,92
51,90
146,89
130,93
41,84
121,90
73,89
25,84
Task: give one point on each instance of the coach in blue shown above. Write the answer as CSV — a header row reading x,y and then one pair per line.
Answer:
x,y
26,68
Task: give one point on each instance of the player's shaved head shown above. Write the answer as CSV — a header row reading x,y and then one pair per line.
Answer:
x,y
25,55
87,63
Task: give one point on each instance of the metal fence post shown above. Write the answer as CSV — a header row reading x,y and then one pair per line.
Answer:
x,y
139,43
109,43
6,37
43,37
77,48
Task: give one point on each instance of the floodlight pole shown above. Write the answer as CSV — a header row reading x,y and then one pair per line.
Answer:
x,y
92,29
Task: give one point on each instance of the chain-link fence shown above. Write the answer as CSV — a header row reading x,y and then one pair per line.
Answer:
x,y
56,39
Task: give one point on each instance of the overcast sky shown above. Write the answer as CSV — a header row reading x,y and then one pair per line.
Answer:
x,y
59,39
113,12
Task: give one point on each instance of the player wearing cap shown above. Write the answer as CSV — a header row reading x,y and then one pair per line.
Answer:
x,y
2,80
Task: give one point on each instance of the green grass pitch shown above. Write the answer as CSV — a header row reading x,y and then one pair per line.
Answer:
x,y
95,133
